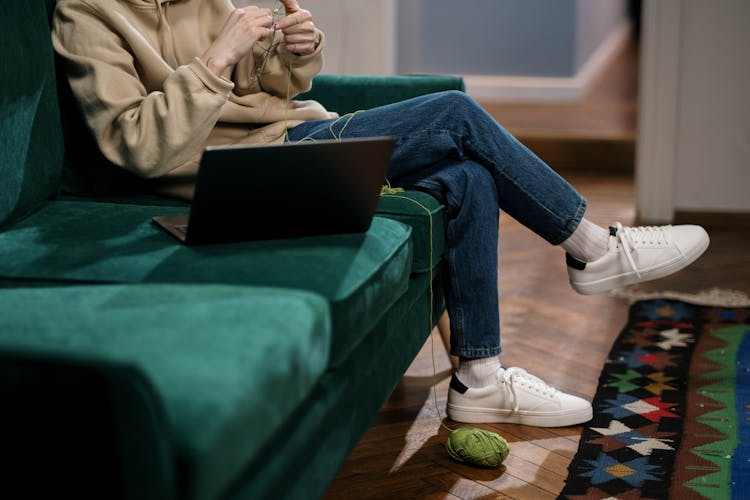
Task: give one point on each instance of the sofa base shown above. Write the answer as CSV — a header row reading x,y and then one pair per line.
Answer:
x,y
313,444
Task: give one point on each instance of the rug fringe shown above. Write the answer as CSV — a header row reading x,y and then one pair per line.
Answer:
x,y
716,297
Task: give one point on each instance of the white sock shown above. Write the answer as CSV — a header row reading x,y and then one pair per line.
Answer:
x,y
478,372
588,242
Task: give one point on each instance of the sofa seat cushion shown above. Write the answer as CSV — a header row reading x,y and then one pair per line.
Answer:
x,y
426,217
361,275
348,93
423,213
226,365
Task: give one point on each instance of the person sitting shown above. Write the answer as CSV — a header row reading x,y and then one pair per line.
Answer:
x,y
159,80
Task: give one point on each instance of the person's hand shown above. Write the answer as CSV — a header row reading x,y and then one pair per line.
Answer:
x,y
243,28
298,29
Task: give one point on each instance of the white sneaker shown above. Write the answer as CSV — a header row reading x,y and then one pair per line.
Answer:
x,y
638,254
516,398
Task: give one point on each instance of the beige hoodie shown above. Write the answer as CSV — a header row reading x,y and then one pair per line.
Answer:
x,y
150,102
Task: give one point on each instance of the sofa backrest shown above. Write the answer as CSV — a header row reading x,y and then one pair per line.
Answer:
x,y
31,143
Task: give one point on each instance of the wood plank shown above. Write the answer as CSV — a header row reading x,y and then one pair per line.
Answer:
x,y
460,486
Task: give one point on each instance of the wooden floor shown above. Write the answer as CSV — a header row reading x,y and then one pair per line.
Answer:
x,y
546,327
596,133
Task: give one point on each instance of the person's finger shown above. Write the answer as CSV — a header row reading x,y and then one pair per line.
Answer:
x,y
241,30
306,30
299,38
250,17
296,19
290,6
253,12
301,48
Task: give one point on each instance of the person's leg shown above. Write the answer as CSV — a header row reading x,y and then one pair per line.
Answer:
x,y
430,131
430,156
450,125
470,260
470,196
431,128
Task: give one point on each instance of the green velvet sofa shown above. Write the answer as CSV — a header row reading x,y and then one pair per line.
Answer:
x,y
134,367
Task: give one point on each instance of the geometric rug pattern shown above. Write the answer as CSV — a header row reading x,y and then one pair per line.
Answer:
x,y
672,409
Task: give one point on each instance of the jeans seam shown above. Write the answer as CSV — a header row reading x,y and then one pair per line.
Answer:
x,y
458,322
457,327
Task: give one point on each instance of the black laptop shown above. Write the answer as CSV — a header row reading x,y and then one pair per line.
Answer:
x,y
284,191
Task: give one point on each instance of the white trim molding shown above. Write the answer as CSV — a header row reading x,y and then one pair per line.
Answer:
x,y
550,89
656,154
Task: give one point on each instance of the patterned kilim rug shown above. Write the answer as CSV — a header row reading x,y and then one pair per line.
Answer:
x,y
672,410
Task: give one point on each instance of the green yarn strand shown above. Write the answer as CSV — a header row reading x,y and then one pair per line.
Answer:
x,y
387,190
477,447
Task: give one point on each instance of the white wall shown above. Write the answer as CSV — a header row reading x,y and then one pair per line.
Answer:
x,y
694,134
713,135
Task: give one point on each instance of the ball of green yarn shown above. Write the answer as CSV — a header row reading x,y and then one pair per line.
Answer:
x,y
477,447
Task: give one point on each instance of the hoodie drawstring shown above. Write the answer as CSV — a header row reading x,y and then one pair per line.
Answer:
x,y
166,36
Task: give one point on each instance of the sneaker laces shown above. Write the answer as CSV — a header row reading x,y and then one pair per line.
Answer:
x,y
631,238
514,375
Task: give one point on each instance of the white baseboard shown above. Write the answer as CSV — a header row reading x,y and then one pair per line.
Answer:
x,y
550,89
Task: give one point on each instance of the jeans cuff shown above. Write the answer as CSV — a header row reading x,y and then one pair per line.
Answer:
x,y
572,223
473,352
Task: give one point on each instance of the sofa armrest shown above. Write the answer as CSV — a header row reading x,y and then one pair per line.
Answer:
x,y
348,93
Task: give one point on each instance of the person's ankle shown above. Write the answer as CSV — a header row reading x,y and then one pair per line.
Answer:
x,y
478,372
588,242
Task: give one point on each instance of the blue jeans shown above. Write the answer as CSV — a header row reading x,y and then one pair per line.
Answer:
x,y
451,148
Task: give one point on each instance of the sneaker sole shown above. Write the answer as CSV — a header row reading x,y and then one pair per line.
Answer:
x,y
468,415
625,279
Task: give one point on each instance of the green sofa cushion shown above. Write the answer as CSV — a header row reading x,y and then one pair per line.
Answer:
x,y
31,146
426,217
420,211
348,93
227,364
361,275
